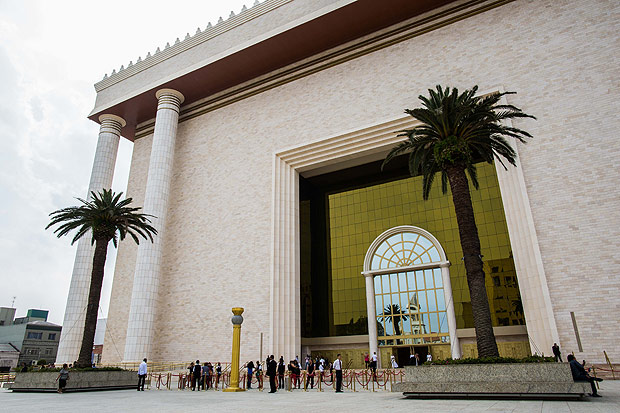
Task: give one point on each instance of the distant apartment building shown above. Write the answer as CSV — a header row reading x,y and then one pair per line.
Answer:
x,y
33,336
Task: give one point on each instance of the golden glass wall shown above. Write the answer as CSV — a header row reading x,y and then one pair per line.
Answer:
x,y
358,216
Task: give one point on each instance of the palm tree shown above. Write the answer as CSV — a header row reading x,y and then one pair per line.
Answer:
x,y
392,313
107,218
456,131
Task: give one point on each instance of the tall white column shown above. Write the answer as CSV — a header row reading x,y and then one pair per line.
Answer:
x,y
455,346
100,178
140,328
373,339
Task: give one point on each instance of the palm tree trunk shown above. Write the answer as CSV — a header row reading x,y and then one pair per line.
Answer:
x,y
92,309
470,244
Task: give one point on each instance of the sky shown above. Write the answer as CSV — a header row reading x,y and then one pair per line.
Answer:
x,y
51,54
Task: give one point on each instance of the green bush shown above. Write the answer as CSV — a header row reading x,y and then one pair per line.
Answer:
x,y
491,360
41,362
43,370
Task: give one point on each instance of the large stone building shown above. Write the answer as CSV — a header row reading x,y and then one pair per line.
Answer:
x,y
257,145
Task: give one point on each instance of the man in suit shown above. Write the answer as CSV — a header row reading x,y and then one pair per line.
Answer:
x,y
271,372
580,374
197,376
556,352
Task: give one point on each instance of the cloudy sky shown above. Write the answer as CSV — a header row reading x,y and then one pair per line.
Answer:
x,y
51,54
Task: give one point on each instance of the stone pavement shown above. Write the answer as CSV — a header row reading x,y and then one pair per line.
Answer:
x,y
188,401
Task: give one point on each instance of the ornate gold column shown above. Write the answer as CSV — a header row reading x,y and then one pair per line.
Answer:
x,y
237,319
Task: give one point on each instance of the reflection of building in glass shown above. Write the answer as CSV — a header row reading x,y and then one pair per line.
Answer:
x,y
417,325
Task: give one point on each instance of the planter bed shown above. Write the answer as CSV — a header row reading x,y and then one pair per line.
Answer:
x,y
78,381
519,380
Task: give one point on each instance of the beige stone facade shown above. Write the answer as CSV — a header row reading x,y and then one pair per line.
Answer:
x,y
228,244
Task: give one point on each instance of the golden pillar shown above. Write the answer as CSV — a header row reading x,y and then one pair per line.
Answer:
x,y
236,319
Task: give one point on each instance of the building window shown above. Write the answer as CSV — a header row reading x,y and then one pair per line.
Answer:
x,y
51,336
32,351
410,303
35,336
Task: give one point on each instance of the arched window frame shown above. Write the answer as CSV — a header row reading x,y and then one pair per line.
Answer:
x,y
444,264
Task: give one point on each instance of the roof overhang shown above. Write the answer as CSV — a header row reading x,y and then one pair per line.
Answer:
x,y
322,33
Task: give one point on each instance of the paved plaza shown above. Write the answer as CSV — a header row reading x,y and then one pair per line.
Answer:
x,y
188,401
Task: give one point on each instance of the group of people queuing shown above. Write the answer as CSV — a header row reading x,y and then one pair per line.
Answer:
x,y
204,376
277,370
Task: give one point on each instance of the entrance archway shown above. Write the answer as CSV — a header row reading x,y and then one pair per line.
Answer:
x,y
408,291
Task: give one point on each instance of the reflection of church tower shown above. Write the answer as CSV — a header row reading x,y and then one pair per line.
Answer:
x,y
417,325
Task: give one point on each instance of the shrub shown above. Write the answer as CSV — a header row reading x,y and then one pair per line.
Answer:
x,y
43,370
492,360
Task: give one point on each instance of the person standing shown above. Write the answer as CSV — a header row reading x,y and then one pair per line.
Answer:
x,y
271,372
197,376
366,360
281,370
556,352
205,376
310,375
429,358
218,371
63,376
338,367
142,371
393,362
373,365
250,367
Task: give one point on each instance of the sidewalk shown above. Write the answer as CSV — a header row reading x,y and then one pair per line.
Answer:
x,y
188,401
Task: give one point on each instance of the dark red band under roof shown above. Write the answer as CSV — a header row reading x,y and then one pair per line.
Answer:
x,y
325,32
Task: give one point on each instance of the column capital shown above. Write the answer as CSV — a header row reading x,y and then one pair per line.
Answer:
x,y
170,92
110,117
111,123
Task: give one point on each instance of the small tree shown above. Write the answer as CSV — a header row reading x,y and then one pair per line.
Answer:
x,y
107,218
456,131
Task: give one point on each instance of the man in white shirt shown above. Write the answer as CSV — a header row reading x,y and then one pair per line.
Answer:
x,y
338,367
429,357
142,370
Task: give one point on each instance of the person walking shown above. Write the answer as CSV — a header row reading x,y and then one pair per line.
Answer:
x,y
338,367
142,371
366,360
281,370
271,372
197,376
63,376
250,367
556,352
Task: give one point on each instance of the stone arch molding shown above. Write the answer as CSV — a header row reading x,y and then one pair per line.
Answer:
x,y
399,230
443,263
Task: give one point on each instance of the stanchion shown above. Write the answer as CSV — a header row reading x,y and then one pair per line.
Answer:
x,y
305,381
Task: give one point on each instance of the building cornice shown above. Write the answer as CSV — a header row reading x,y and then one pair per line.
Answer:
x,y
359,47
211,31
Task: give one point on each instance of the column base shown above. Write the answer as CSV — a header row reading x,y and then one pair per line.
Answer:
x,y
233,389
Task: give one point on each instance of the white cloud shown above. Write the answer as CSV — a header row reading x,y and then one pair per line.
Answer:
x,y
51,54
